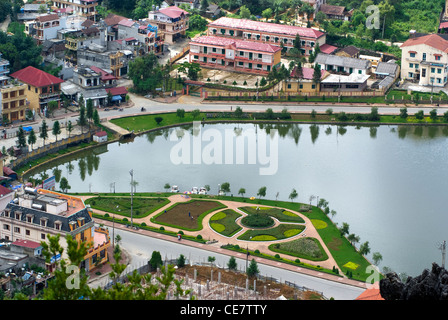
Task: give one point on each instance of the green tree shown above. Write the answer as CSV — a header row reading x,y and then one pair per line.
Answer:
x,y
404,113
89,111
96,118
21,137
51,107
225,187
242,191
44,131
63,184
196,22
156,260
32,138
238,112
263,82
261,192
82,120
180,113
244,12
232,265
293,195
252,270
158,120
203,7
433,114
66,284
191,69
377,258
344,229
181,261
56,129
195,113
146,74
419,115
364,249
317,75
267,13
166,186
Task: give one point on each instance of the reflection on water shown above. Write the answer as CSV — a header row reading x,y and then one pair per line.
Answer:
x,y
387,182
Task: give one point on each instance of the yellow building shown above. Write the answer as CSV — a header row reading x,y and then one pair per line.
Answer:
x,y
303,84
41,87
39,213
14,102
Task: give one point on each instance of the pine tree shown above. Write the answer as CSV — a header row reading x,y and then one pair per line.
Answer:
x,y
56,129
32,138
253,270
317,75
44,131
21,137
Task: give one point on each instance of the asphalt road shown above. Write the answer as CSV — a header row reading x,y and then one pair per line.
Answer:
x,y
140,248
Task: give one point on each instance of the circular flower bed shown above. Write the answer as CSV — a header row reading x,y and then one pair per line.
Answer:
x,y
257,220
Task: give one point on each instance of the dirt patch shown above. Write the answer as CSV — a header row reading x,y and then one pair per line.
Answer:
x,y
186,215
334,244
237,279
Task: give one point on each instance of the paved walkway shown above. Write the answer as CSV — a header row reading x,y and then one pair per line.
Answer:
x,y
218,240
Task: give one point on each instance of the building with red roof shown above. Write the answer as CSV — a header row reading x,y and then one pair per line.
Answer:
x,y
42,87
276,34
6,196
172,21
424,59
234,54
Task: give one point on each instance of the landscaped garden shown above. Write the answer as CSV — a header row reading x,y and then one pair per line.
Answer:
x,y
141,206
277,213
282,231
305,248
187,215
224,222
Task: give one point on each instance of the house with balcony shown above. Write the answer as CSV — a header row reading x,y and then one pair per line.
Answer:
x,y
41,87
84,8
13,102
279,35
45,27
171,21
234,54
139,37
39,213
424,60
81,39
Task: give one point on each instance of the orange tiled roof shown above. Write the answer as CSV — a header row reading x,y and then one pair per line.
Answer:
x,y
432,40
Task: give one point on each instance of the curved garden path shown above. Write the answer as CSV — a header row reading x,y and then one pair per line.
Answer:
x,y
209,234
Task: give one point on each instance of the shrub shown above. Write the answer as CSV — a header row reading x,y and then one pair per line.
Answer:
x,y
143,224
297,261
125,220
106,215
158,120
162,228
199,237
277,256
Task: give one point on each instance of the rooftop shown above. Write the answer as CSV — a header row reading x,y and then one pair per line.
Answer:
x,y
307,73
352,78
332,10
266,27
27,244
348,62
172,12
433,40
35,77
239,44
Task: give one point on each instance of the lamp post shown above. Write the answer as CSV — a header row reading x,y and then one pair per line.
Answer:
x,y
132,192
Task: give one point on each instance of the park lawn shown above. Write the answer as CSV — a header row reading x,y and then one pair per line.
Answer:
x,y
187,215
280,232
141,207
305,248
279,214
340,248
224,222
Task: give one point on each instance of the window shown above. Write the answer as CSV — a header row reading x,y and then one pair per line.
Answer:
x,y
17,229
411,75
289,86
438,57
424,56
424,73
412,54
240,63
359,71
260,56
439,71
213,49
411,65
6,227
417,66
301,86
42,236
313,86
439,80
27,232
433,70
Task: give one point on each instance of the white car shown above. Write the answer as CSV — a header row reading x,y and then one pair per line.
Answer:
x,y
174,189
194,190
202,190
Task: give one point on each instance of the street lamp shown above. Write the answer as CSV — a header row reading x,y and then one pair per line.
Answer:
x,y
132,192
219,188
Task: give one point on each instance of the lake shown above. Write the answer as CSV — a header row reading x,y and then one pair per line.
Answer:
x,y
388,183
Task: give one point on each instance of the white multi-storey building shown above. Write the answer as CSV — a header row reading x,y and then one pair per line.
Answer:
x,y
424,60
